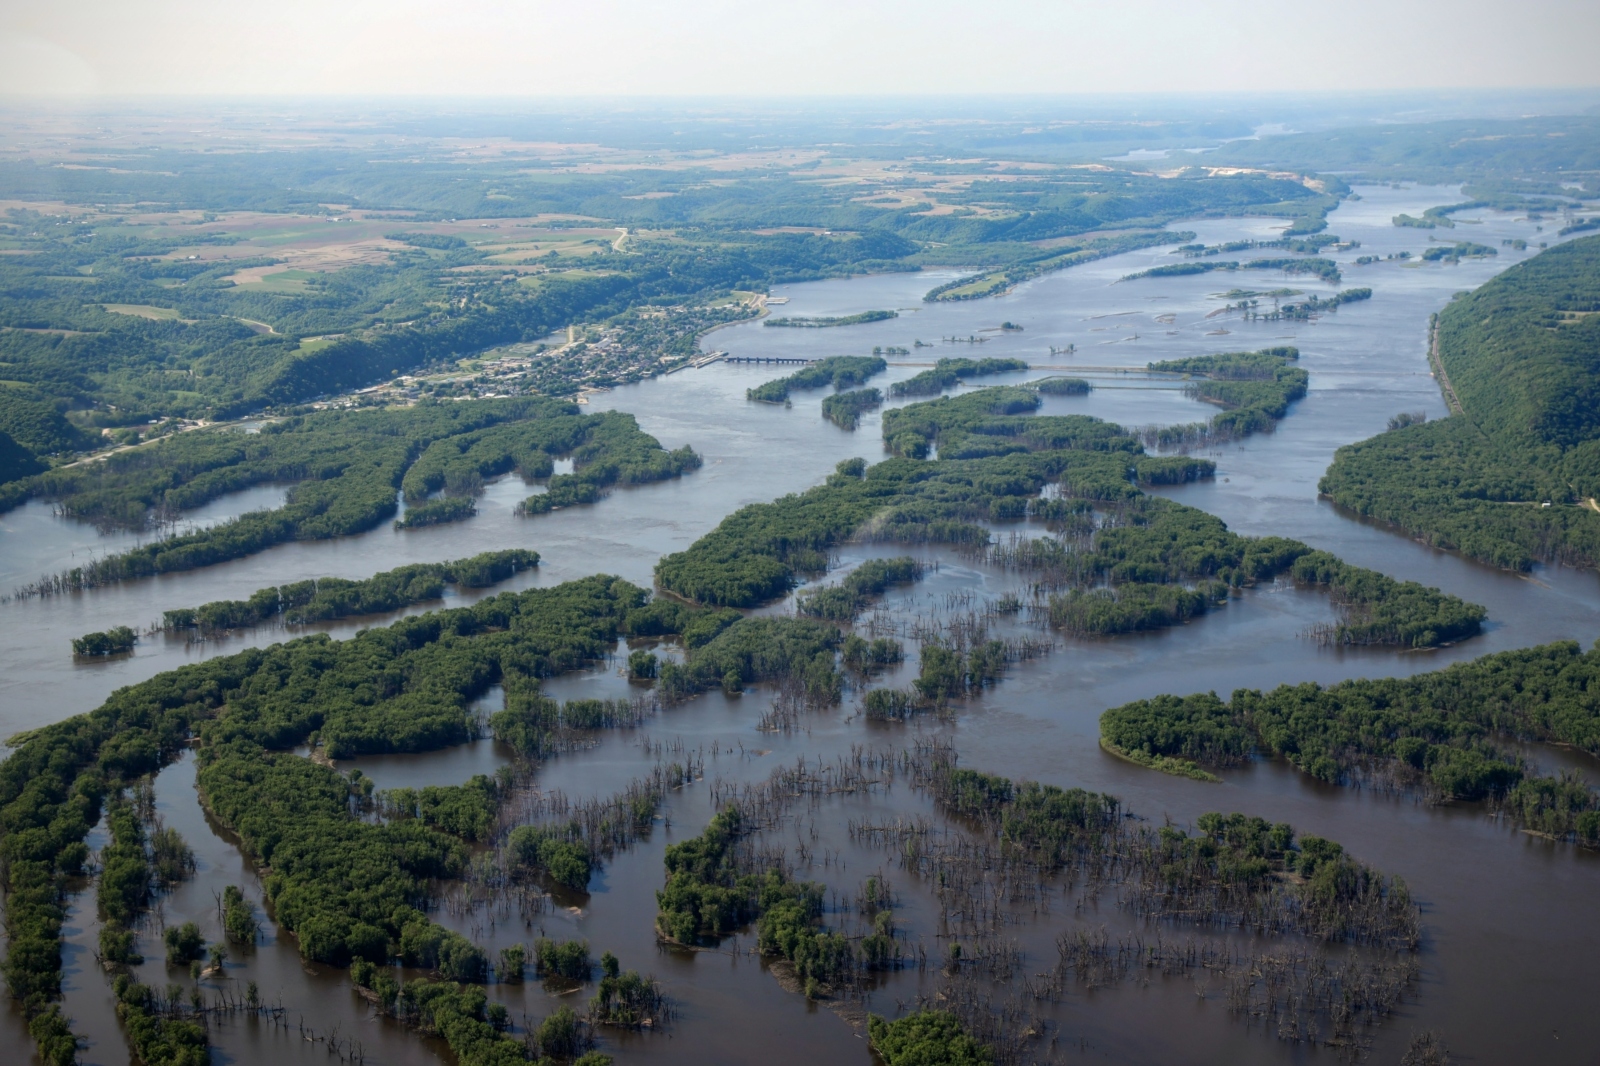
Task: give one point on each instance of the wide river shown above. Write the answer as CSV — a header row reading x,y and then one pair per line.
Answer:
x,y
1511,949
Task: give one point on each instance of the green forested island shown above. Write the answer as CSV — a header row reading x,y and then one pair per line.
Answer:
x,y
1158,564
1439,730
109,642
1033,263
836,320
839,371
1061,386
1325,269
844,409
324,599
346,468
948,373
1255,387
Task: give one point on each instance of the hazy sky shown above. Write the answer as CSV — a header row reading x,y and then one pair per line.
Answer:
x,y
744,47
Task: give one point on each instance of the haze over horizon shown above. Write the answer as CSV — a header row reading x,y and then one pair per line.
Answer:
x,y
715,47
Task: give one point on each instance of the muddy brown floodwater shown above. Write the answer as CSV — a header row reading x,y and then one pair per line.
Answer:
x,y
1510,951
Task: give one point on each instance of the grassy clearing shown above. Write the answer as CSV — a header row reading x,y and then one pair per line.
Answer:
x,y
156,314
1164,763
574,242
570,275
982,285
287,282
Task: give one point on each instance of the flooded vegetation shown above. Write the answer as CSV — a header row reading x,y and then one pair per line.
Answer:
x,y
1433,732
846,776
307,602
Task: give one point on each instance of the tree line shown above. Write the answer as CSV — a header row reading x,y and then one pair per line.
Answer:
x,y
821,322
1317,266
328,598
1434,731
948,373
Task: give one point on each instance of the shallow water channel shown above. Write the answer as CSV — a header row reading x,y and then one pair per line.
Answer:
x,y
1511,947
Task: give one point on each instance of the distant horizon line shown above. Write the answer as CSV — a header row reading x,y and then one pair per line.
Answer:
x,y
747,99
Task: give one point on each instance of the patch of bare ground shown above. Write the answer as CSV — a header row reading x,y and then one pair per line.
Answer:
x,y
850,1011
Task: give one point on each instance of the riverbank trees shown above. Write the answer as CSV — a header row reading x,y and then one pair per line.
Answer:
x,y
459,465
564,859
995,421
1316,266
1513,479
1032,262
437,512
842,602
1434,731
346,465
338,458
751,650
1061,386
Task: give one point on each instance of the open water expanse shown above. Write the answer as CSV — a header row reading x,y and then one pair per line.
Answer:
x,y
1511,948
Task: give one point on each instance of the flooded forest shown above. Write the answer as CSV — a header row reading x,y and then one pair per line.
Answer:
x,y
901,686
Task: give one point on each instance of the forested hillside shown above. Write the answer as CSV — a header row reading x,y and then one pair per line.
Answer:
x,y
1514,478
1484,151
